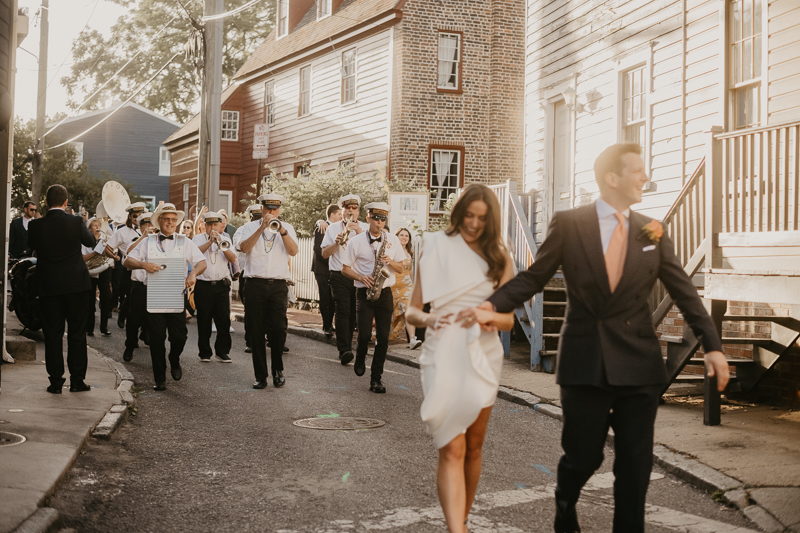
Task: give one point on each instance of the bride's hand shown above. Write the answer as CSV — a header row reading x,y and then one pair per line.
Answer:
x,y
436,322
476,315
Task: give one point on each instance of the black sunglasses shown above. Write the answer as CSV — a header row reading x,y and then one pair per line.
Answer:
x,y
382,218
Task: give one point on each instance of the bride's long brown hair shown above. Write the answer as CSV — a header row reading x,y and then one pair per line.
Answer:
x,y
490,242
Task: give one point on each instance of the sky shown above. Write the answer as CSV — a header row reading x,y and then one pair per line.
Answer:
x,y
67,20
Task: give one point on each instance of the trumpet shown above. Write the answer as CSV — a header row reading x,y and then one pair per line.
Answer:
x,y
224,245
274,226
346,236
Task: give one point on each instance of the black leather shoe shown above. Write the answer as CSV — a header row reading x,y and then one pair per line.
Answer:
x,y
346,357
360,366
248,349
278,380
127,355
376,386
566,518
160,385
285,349
79,386
260,384
54,389
175,370
105,333
328,332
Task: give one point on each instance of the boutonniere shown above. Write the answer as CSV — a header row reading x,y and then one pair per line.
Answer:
x,y
653,230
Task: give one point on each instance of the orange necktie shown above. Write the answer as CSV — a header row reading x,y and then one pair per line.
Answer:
x,y
616,251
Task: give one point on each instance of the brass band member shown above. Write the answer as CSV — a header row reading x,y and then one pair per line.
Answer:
x,y
165,219
254,211
137,312
212,292
100,282
122,238
267,244
319,266
373,257
344,293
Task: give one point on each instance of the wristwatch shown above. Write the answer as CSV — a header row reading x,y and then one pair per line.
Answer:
x,y
284,234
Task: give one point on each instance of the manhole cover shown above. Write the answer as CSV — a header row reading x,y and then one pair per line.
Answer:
x,y
10,439
342,422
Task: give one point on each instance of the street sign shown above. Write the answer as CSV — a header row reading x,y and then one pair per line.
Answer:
x,y
261,141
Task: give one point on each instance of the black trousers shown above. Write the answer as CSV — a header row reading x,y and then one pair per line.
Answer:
x,y
344,299
159,325
213,304
124,292
54,311
381,310
137,315
242,289
588,413
101,283
326,305
116,275
265,313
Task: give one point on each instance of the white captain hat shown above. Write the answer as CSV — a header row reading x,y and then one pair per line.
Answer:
x,y
211,217
378,208
271,200
162,210
144,218
350,199
138,207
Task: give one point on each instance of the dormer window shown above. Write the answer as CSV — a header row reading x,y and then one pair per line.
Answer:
x,y
324,8
283,18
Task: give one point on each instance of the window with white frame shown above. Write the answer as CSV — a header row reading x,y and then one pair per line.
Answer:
x,y
230,125
449,62
305,91
348,165
78,147
185,192
745,60
269,102
323,8
634,106
349,76
149,203
302,170
283,17
163,161
445,176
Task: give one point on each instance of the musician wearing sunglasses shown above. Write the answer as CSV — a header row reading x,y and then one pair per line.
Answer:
x,y
165,219
267,244
334,247
372,260
212,292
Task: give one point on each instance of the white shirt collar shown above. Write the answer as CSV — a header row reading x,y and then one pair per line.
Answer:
x,y
56,209
604,209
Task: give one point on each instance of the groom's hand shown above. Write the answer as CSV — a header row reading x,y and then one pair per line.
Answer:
x,y
487,305
717,365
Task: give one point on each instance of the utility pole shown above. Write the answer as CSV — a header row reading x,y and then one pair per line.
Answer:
x,y
208,158
41,103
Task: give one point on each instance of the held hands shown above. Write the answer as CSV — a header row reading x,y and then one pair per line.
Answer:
x,y
477,315
717,365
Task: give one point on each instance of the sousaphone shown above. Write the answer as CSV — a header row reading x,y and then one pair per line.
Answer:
x,y
113,207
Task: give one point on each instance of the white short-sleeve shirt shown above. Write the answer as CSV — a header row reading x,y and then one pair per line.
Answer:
x,y
191,253
216,262
333,231
268,258
361,255
122,238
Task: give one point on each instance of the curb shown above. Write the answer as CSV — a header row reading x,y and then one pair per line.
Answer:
x,y
39,522
685,468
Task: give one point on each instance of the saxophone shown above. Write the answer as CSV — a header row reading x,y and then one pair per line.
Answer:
x,y
380,273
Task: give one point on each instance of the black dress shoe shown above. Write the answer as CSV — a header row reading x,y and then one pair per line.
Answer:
x,y
121,321
566,518
79,386
361,365
328,332
278,380
54,389
127,355
260,384
346,357
105,333
248,349
160,385
376,386
285,349
175,370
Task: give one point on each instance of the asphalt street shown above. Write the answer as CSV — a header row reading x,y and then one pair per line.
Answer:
x,y
212,454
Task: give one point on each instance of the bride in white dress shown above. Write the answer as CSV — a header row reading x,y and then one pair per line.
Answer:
x,y
459,269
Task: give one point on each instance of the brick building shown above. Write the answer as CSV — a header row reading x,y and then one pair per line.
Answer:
x,y
416,89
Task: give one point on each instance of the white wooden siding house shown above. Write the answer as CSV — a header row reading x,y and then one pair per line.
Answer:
x,y
666,74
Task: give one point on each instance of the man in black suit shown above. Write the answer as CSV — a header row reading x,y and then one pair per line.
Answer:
x,y
18,232
610,366
319,266
64,288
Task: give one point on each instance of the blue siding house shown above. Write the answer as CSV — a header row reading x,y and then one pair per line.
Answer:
x,y
128,144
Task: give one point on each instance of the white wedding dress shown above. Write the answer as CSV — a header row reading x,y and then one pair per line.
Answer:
x,y
460,367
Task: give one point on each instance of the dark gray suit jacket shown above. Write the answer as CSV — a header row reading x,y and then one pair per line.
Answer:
x,y
608,338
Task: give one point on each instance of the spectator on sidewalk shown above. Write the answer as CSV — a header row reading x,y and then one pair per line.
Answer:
x,y
18,232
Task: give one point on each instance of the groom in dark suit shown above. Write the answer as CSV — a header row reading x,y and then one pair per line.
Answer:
x,y
610,367
64,288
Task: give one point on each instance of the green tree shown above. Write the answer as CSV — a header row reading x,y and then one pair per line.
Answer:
x,y
177,91
60,166
308,197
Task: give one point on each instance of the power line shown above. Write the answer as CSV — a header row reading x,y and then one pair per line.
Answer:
x,y
131,97
231,12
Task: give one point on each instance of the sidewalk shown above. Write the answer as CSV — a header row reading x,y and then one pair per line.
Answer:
x,y
750,461
55,428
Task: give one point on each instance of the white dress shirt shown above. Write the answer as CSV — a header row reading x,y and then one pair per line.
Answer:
x,y
25,221
191,253
216,262
333,231
361,255
268,258
139,274
122,238
608,222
